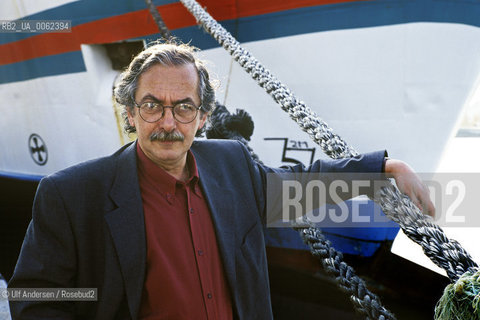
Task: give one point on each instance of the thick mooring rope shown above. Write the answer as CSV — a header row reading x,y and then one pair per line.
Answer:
x,y
364,301
445,253
224,125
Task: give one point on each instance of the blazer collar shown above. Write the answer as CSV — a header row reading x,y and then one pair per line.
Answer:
x,y
127,226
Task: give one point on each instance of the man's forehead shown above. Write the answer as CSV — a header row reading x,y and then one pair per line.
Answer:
x,y
184,72
182,79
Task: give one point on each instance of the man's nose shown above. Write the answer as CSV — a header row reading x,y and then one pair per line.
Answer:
x,y
168,121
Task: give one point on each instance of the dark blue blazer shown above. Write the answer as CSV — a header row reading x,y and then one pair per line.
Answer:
x,y
87,231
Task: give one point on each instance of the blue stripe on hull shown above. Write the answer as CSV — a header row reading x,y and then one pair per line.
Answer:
x,y
355,15
303,20
261,27
65,63
20,176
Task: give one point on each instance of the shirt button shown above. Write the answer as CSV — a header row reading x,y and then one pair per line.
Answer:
x,y
200,252
209,295
191,210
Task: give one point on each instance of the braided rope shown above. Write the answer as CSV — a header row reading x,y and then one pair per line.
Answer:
x,y
364,301
445,253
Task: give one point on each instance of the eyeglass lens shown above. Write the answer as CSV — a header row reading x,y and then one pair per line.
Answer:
x,y
182,112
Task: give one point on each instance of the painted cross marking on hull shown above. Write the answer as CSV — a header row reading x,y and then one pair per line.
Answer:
x,y
38,149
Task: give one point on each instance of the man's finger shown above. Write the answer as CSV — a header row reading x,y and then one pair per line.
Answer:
x,y
429,208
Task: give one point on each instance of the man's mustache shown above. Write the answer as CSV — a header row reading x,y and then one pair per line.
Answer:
x,y
164,136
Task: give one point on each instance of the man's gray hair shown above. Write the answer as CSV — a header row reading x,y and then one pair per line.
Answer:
x,y
165,54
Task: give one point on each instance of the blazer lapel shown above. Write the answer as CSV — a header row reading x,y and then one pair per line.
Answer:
x,y
219,204
127,227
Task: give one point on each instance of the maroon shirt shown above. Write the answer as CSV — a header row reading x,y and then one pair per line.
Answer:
x,y
184,275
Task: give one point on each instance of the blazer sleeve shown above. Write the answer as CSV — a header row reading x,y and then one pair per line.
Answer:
x,y
47,258
267,181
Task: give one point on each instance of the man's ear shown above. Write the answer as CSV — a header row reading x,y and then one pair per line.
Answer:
x,y
203,119
130,117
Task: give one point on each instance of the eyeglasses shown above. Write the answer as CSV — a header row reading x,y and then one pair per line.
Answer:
x,y
183,112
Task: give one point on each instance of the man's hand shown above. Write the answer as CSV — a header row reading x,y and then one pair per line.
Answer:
x,y
410,184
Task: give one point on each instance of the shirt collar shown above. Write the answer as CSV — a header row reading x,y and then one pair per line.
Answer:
x,y
161,179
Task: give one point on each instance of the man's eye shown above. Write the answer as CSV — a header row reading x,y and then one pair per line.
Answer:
x,y
185,107
150,105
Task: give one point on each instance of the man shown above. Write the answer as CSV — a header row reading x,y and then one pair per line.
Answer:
x,y
167,227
